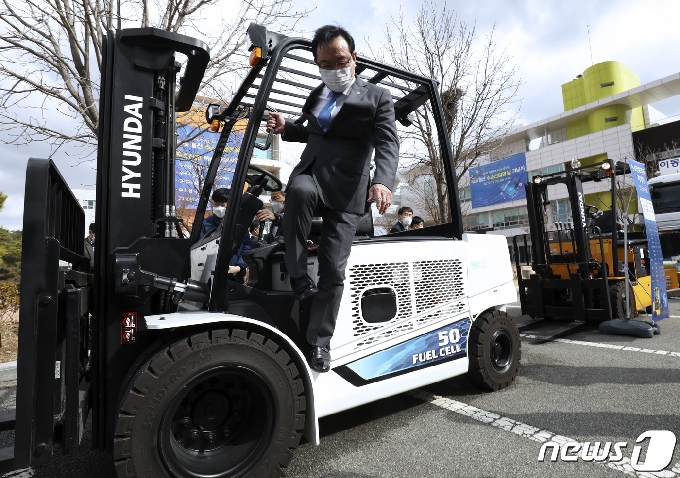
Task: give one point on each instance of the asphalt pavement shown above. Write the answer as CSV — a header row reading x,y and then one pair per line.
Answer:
x,y
586,387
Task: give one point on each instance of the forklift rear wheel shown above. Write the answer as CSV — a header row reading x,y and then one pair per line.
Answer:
x,y
618,300
225,403
495,351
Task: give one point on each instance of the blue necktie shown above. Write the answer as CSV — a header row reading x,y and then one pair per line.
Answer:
x,y
325,115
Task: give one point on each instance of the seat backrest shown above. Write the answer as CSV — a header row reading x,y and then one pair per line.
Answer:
x,y
364,227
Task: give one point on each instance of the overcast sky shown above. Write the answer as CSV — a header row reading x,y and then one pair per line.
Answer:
x,y
547,39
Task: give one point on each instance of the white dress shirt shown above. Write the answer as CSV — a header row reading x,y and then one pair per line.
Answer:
x,y
322,99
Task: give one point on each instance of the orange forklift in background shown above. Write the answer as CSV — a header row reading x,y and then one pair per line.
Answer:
x,y
578,272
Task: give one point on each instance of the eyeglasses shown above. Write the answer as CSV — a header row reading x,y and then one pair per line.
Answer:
x,y
336,66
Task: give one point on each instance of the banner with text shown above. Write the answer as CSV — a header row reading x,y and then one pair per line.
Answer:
x,y
499,182
659,297
193,161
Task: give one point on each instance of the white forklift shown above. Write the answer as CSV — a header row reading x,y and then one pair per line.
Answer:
x,y
188,373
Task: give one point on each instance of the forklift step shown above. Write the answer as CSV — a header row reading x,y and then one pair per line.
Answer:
x,y
555,332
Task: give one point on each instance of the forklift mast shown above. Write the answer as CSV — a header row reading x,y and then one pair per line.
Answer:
x,y
78,328
537,199
136,225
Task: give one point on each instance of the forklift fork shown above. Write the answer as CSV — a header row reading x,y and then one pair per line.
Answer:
x,y
52,380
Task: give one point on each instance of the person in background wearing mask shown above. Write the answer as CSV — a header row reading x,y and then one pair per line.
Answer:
x,y
347,119
278,200
219,206
404,218
417,223
237,266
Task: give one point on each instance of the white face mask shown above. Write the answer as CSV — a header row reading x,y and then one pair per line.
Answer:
x,y
406,221
336,80
219,211
277,206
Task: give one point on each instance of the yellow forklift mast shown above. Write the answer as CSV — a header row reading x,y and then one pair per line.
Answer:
x,y
578,272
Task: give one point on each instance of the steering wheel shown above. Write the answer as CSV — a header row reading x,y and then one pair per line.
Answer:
x,y
593,211
264,180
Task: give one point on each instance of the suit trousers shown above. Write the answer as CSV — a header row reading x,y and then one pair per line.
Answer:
x,y
335,244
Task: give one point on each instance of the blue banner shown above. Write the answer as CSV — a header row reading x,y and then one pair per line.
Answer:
x,y
499,182
446,343
659,298
193,161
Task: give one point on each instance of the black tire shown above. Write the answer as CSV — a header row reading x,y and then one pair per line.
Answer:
x,y
495,351
225,403
618,300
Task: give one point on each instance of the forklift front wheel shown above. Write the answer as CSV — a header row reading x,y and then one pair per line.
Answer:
x,y
494,351
225,403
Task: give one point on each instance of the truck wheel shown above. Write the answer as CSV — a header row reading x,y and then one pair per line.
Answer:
x,y
618,299
224,403
494,351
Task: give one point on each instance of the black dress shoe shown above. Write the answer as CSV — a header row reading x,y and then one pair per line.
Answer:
x,y
320,359
303,287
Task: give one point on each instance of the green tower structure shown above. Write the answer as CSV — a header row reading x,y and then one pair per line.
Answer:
x,y
597,82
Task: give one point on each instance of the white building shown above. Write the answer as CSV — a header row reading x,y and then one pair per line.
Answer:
x,y
88,201
592,132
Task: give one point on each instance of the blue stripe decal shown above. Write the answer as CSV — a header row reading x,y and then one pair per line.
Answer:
x,y
445,343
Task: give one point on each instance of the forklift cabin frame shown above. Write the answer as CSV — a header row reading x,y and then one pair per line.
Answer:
x,y
582,303
241,206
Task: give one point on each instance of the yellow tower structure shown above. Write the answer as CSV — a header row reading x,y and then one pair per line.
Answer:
x,y
597,82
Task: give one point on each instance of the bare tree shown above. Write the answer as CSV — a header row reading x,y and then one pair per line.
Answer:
x,y
51,53
477,85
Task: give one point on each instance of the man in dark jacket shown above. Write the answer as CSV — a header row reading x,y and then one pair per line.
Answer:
x,y
347,119
254,234
237,266
278,200
219,206
404,218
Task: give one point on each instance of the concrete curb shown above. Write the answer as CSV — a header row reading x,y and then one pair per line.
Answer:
x,y
8,371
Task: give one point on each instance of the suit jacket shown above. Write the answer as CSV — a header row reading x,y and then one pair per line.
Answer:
x,y
398,227
342,155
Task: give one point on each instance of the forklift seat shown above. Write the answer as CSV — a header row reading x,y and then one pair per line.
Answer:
x,y
364,228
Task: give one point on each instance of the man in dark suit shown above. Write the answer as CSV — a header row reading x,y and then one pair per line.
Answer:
x,y
278,200
404,218
347,119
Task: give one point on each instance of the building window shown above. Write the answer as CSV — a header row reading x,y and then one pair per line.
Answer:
x,y
555,168
465,194
561,212
611,120
266,154
476,221
671,153
88,203
510,218
604,85
430,189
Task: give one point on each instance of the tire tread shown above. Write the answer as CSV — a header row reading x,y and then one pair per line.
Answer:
x,y
159,364
477,369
